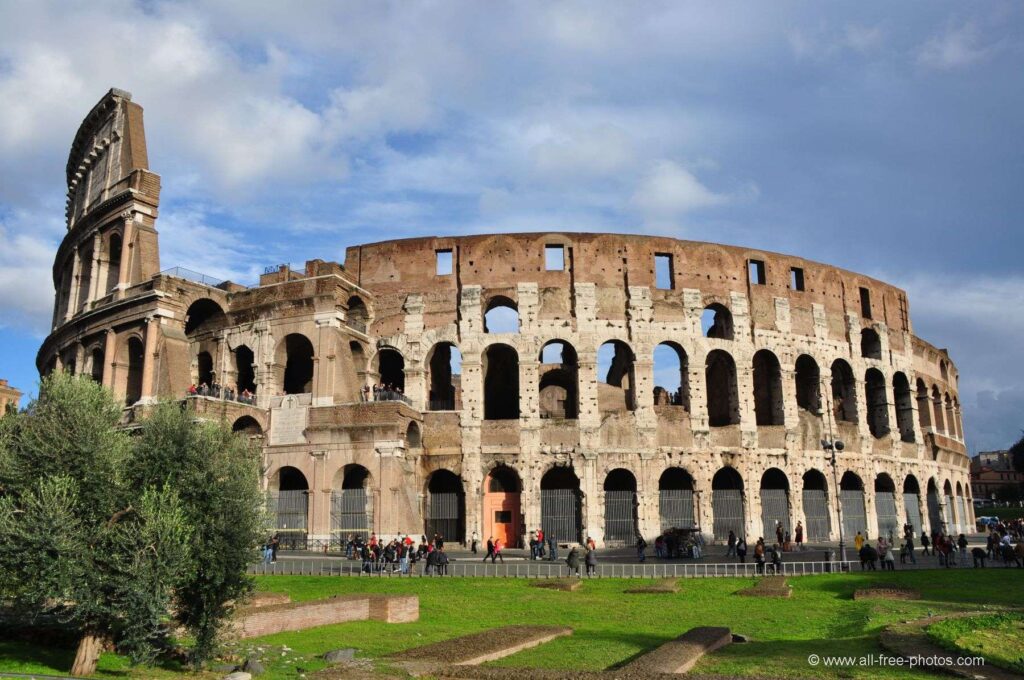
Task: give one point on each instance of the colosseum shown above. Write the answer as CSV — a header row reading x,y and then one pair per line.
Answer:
x,y
597,385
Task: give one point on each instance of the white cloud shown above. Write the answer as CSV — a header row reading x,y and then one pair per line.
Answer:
x,y
26,283
957,47
669,190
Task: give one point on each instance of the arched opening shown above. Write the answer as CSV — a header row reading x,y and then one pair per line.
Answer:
x,y
944,371
876,393
904,406
289,503
204,369
947,508
501,315
815,498
716,322
391,366
559,381
870,344
358,367
768,406
675,499
113,261
720,381
775,503
445,366
808,384
851,502
616,392
96,361
85,277
844,392
620,508
940,422
561,505
934,508
912,503
245,372
502,510
412,436
885,507
136,356
950,416
727,503
296,354
351,505
501,383
203,316
961,509
924,407
247,426
358,316
671,376
445,514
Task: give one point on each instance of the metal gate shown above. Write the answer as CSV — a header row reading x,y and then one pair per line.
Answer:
x,y
934,513
351,514
560,514
912,504
675,506
445,517
290,512
950,520
620,517
819,524
962,509
885,508
774,508
727,511
854,516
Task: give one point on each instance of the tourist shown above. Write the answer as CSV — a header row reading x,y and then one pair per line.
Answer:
x,y
540,543
268,553
731,552
778,534
497,551
698,543
403,558
799,535
759,555
490,549
868,557
961,543
741,550
910,547
441,561
858,542
924,545
889,558
979,555
192,391
641,547
275,543
776,560
573,561
552,548
591,559
659,547
473,541
903,552
367,556
533,545
590,543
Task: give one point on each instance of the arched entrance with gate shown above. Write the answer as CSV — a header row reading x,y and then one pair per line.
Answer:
x,y
816,514
851,502
774,502
934,508
352,504
727,503
620,508
445,511
947,504
961,508
289,506
675,499
502,510
885,507
561,505
912,503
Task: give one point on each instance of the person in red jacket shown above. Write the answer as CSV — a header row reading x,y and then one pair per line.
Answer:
x,y
497,551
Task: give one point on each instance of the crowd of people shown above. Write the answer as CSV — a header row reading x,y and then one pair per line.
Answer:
x,y
383,392
217,391
399,555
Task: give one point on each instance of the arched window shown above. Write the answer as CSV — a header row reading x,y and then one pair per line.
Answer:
x,y
716,322
412,436
870,344
352,504
876,394
940,421
204,315
136,358
671,376
844,392
113,261
357,316
204,369
245,375
445,365
501,315
808,384
934,508
290,500
617,390
501,383
96,367
248,426
768,406
924,406
295,353
391,365
559,380
720,381
950,416
502,517
904,406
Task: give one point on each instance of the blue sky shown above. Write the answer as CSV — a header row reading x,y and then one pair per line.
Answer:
x,y
885,138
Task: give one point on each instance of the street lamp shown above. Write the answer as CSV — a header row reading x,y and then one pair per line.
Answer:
x,y
831,446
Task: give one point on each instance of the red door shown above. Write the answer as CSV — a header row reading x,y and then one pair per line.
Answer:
x,y
501,518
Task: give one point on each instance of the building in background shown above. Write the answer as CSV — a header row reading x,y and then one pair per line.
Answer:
x,y
994,477
9,397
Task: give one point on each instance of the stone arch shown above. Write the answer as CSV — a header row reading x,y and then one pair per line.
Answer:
x,y
501,315
716,322
245,371
885,506
412,436
390,365
676,499
97,365
870,344
940,421
924,407
204,316
204,369
727,504
720,386
948,516
558,380
671,375
500,367
444,369
816,505
294,364
358,314
445,507
808,384
844,392
503,515
351,504
133,358
950,415
912,503
934,507
620,507
961,509
289,499
851,502
248,426
768,403
561,504
617,391
113,260
775,505
904,406
875,394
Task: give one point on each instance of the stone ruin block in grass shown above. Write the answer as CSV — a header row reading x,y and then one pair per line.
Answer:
x,y
661,586
565,584
886,593
478,648
769,586
266,620
679,655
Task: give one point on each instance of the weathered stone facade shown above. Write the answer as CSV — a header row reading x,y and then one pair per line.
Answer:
x,y
9,398
598,440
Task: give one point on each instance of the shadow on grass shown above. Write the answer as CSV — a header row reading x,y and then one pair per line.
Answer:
x,y
35,658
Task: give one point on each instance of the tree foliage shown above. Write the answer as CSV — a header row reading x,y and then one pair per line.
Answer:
x,y
1017,454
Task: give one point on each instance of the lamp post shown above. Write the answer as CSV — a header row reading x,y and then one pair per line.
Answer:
x,y
831,446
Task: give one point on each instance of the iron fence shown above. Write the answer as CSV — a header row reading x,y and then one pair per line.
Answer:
x,y
885,508
912,504
819,522
675,507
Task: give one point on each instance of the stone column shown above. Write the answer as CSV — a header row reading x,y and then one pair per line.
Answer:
x,y
94,277
109,351
150,358
124,273
73,292
320,498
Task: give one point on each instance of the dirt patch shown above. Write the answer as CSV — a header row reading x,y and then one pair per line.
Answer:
x,y
665,585
770,586
568,585
680,655
264,599
478,648
911,640
894,593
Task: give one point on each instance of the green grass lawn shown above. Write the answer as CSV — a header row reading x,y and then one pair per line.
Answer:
x,y
612,627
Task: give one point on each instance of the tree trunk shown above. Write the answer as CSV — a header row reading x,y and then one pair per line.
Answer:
x,y
87,656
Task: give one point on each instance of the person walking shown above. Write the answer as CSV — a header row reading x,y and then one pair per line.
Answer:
x,y
275,543
641,547
552,548
962,545
473,541
924,545
497,551
910,548
778,534
759,555
441,561
731,552
490,549
858,541
540,543
573,561
799,535
741,550
591,560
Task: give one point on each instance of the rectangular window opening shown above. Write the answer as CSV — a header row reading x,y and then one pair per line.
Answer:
x,y
503,517
554,257
796,278
444,262
865,303
756,268
664,275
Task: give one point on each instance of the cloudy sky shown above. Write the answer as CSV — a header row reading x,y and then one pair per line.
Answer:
x,y
887,138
